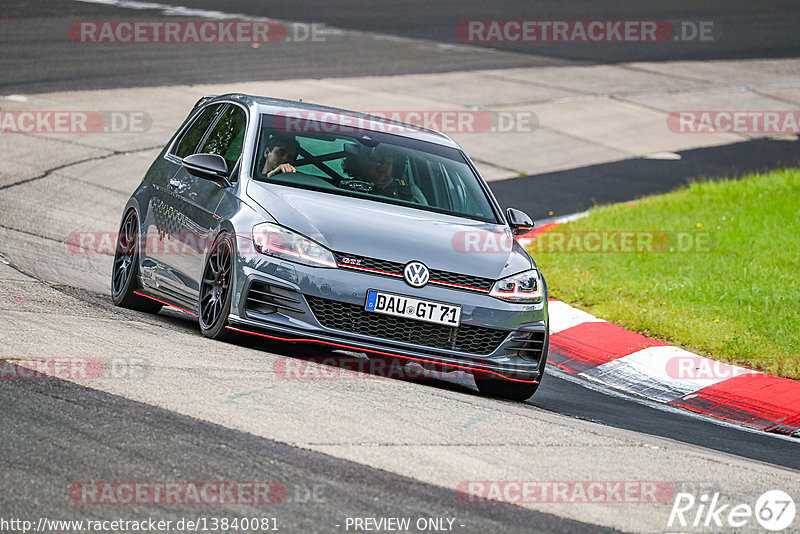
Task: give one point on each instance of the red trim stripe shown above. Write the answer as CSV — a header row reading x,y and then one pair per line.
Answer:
x,y
350,347
348,266
381,353
458,285
164,302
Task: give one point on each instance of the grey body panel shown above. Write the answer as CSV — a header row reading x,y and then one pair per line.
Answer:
x,y
170,200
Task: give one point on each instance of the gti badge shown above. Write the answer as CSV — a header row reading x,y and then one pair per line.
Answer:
x,y
416,274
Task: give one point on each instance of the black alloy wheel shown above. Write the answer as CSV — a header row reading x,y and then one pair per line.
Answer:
x,y
125,273
215,288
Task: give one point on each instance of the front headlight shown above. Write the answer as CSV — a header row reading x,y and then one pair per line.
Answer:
x,y
273,240
523,287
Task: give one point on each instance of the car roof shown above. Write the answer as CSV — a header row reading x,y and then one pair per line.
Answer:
x,y
274,106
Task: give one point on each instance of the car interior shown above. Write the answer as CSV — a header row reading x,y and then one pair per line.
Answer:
x,y
336,163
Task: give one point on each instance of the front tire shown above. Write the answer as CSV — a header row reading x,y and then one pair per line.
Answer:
x,y
505,389
125,273
215,289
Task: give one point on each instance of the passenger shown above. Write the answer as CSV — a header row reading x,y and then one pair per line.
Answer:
x,y
281,153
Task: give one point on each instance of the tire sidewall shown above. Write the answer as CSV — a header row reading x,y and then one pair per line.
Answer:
x,y
502,388
126,294
218,329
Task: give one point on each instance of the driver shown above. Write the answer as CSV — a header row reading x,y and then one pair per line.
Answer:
x,y
378,168
281,153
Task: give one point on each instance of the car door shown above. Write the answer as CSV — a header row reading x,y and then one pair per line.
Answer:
x,y
162,229
195,200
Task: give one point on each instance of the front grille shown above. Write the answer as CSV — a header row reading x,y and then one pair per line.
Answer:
x,y
354,318
393,268
265,298
528,345
385,266
484,284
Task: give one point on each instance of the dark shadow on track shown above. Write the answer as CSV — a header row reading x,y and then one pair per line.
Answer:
x,y
576,190
764,29
568,398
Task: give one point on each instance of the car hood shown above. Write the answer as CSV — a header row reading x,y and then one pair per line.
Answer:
x,y
362,227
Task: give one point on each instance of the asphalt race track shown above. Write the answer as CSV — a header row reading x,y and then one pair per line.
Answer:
x,y
621,181
188,409
381,38
317,485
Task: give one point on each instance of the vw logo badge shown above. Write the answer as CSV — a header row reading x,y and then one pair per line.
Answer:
x,y
416,274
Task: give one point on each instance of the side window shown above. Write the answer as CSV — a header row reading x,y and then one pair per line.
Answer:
x,y
194,133
227,135
441,185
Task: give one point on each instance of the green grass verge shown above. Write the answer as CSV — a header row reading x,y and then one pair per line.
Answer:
x,y
734,295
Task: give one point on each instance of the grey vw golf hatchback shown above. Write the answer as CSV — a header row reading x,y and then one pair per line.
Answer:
x,y
305,223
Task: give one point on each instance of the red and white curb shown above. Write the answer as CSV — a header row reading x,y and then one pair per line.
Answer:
x,y
583,345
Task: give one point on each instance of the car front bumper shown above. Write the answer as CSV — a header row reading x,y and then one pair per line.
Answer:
x,y
292,302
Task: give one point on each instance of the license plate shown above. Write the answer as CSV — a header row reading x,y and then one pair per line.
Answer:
x,y
411,308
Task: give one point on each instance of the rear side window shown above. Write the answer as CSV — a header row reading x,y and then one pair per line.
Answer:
x,y
227,135
194,133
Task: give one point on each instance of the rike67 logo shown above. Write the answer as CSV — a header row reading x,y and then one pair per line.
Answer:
x,y
774,511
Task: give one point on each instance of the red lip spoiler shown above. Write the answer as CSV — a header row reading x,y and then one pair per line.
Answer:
x,y
351,347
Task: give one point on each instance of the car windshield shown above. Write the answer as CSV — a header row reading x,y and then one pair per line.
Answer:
x,y
378,166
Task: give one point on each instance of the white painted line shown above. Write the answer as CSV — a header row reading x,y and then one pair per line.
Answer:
x,y
662,155
182,11
173,11
563,316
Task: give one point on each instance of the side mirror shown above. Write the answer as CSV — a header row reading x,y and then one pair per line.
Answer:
x,y
520,222
209,166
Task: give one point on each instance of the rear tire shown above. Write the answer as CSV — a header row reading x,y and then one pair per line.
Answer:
x,y
505,389
125,272
214,304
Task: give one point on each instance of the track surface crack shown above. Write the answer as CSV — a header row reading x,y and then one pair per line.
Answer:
x,y
51,170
